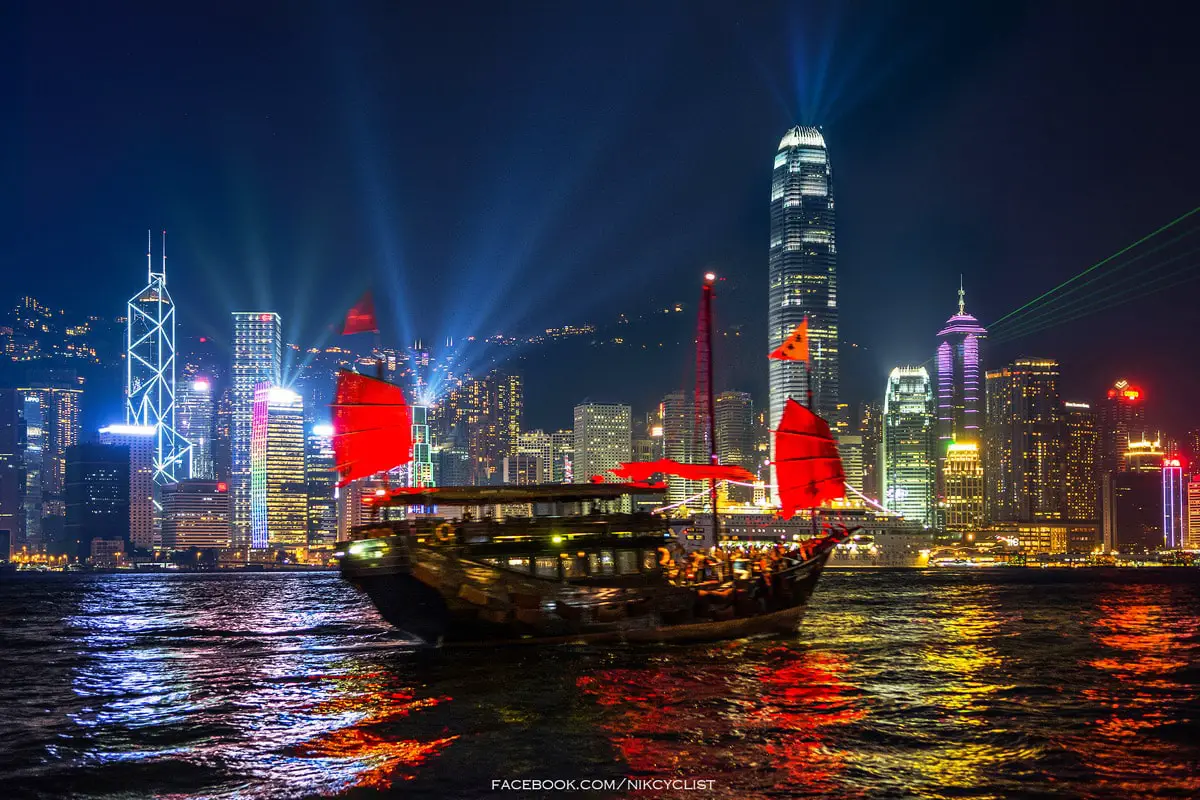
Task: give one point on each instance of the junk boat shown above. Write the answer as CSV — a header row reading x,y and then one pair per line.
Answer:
x,y
574,567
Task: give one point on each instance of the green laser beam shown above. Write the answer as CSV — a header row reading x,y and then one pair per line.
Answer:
x,y
1036,320
1053,303
1151,288
1097,265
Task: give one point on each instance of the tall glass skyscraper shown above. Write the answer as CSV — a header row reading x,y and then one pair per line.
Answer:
x,y
960,374
907,454
257,358
802,272
1025,464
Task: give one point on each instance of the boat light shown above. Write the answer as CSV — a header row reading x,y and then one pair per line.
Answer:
x,y
556,539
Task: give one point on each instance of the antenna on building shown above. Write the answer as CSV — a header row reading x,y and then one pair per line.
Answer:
x,y
149,263
962,297
164,257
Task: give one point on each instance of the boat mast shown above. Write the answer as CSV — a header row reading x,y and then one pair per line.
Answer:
x,y
704,376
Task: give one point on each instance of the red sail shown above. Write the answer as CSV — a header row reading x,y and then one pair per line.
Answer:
x,y
361,318
808,468
372,427
643,470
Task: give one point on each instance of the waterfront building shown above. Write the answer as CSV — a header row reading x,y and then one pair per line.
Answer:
x,y
802,273
1122,413
522,469
50,408
140,442
257,359
278,493
195,514
12,475
96,496
603,439
1025,452
1173,504
195,418
678,414
870,427
960,408
1082,477
907,455
563,443
1132,511
150,371
1047,537
1193,513
962,479
850,446
321,480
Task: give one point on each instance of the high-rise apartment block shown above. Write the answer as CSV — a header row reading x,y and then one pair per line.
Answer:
x,y
257,359
603,439
278,493
195,514
1025,452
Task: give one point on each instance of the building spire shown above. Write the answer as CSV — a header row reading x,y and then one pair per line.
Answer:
x,y
962,297
149,262
164,266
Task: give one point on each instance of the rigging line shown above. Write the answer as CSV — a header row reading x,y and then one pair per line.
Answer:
x,y
1097,265
1040,318
1154,287
1051,304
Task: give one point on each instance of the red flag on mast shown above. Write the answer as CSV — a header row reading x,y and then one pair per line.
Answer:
x,y
361,318
795,347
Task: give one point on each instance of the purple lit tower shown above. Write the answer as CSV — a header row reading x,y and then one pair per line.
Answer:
x,y
960,409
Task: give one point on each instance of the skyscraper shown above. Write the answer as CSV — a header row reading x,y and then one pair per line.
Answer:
x,y
12,475
679,444
603,439
907,455
870,426
1122,413
319,473
962,482
50,411
195,419
1082,481
490,408
734,413
278,493
139,442
802,272
1025,452
960,408
1173,503
97,497
563,443
150,370
257,358
1193,513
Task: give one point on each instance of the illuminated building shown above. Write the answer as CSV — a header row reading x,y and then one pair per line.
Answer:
x,y
1047,537
537,443
962,478
603,439
521,469
907,454
12,475
150,371
960,409
850,447
33,468
420,469
140,442
97,496
802,272
278,493
734,412
257,358
1025,450
195,514
1172,504
488,410
1192,449
870,426
678,415
57,397
223,436
1144,454
1193,513
1122,412
195,414
563,443
1081,482
321,480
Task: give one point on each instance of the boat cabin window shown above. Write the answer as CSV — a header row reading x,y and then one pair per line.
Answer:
x,y
601,563
518,564
546,566
574,567
649,560
627,562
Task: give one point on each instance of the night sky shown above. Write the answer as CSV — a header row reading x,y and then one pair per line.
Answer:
x,y
494,167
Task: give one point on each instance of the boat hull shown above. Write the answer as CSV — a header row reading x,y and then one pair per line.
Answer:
x,y
440,597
